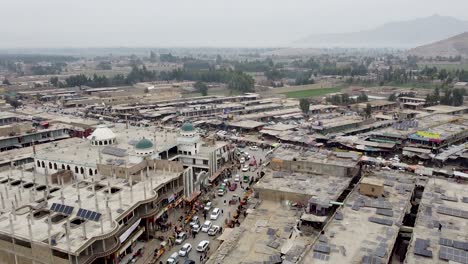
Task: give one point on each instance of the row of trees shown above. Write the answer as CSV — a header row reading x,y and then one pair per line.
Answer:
x,y
344,99
452,96
235,80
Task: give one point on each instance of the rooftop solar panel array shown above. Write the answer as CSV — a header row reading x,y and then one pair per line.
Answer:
x,y
89,215
61,208
452,212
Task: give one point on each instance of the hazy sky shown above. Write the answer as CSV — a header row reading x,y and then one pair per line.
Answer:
x,y
228,23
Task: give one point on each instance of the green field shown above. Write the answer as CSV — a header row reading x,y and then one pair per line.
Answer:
x,y
312,92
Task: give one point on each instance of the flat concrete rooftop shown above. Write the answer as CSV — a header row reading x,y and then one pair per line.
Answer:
x,y
350,236
27,199
323,187
442,200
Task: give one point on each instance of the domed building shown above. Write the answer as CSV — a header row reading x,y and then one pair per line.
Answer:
x,y
144,147
188,141
102,136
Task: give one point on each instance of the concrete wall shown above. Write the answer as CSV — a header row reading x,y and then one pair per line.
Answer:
x,y
310,167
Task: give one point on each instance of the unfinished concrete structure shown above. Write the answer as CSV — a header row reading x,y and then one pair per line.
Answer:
x,y
89,221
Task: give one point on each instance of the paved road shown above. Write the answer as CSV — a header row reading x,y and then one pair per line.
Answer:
x,y
217,202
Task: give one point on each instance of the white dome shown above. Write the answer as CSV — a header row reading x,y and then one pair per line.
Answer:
x,y
102,133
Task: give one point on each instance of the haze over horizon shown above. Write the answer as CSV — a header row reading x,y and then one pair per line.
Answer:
x,y
207,23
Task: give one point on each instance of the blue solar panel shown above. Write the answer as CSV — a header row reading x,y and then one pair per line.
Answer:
x,y
61,208
89,215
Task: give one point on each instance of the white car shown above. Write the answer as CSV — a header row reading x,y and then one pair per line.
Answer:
x,y
207,206
203,245
213,230
180,238
206,226
195,221
185,250
253,148
215,214
242,160
196,228
173,259
245,168
237,178
221,192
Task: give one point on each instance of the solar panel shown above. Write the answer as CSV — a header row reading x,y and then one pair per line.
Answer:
x,y
275,259
420,248
118,152
371,260
452,212
380,221
385,212
90,215
339,216
321,256
322,247
380,252
445,242
61,208
453,254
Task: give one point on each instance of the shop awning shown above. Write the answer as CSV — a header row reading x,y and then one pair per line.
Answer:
x,y
131,240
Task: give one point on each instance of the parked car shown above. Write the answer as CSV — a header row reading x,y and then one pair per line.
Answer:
x,y
237,178
207,206
173,259
213,230
203,246
242,160
253,148
245,168
221,192
196,228
195,221
180,238
233,186
206,226
215,214
185,250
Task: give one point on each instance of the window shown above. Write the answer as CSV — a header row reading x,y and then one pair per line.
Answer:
x,y
55,166
372,189
39,164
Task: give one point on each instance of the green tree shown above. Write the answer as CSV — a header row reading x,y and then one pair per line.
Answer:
x,y
54,81
304,104
153,56
201,87
392,97
368,110
13,101
362,98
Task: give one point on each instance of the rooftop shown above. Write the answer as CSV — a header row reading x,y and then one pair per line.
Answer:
x,y
318,156
324,187
365,226
27,187
444,201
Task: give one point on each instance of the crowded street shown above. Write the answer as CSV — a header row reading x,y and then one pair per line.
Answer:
x,y
177,220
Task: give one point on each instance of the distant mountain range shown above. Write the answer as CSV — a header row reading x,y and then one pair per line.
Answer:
x,y
403,34
453,46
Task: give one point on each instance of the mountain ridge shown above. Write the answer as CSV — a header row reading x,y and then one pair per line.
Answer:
x,y
453,46
399,34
